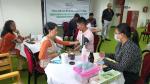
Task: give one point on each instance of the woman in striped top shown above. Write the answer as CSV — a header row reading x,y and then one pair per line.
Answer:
x,y
127,55
48,48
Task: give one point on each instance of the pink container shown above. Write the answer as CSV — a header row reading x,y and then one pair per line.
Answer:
x,y
87,73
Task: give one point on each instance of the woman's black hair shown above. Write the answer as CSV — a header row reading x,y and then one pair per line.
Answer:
x,y
82,20
125,29
135,37
7,28
48,26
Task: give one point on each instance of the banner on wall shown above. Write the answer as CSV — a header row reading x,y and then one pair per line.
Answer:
x,y
59,11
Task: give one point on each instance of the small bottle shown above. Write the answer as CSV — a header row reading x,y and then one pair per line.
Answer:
x,y
91,58
84,54
30,37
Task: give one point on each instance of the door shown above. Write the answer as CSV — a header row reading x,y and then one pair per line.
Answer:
x,y
132,19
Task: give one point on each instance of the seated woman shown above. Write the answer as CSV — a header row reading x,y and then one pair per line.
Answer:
x,y
9,38
48,44
127,55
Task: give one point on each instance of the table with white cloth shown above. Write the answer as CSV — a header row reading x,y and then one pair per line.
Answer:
x,y
64,74
33,47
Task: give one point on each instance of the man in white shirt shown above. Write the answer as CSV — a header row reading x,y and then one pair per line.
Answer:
x,y
85,36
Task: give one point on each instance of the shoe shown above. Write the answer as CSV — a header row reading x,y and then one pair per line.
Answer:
x,y
107,39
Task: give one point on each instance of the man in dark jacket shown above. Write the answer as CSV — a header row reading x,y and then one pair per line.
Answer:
x,y
73,25
106,20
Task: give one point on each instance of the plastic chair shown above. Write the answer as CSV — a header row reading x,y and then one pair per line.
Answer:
x,y
145,70
33,65
11,75
65,29
5,62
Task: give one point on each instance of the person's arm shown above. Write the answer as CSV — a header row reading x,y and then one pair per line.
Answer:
x,y
125,62
43,49
103,15
9,41
66,43
95,30
77,47
10,37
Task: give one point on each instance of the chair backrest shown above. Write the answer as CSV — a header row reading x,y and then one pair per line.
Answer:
x,y
65,26
5,62
145,70
11,75
146,65
148,27
29,58
33,64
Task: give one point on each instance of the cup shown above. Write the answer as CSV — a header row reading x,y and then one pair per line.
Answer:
x,y
64,58
71,56
39,37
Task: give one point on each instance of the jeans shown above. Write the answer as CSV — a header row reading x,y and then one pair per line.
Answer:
x,y
105,29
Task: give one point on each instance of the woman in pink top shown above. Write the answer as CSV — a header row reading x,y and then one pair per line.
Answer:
x,y
48,48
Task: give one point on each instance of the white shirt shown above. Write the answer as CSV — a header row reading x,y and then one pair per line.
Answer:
x,y
89,35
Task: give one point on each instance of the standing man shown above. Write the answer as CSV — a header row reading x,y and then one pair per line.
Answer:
x,y
106,20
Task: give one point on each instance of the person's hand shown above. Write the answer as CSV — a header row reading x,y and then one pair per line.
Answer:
x,y
28,37
19,40
102,55
75,43
17,31
104,66
77,48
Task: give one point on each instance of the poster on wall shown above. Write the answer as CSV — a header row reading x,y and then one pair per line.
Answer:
x,y
60,11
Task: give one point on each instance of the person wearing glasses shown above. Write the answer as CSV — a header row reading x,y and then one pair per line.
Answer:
x,y
127,56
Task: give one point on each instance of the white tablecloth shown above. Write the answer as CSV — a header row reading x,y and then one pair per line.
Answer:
x,y
60,74
64,74
33,47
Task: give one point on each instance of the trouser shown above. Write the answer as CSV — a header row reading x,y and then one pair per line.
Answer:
x,y
105,29
96,40
130,77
